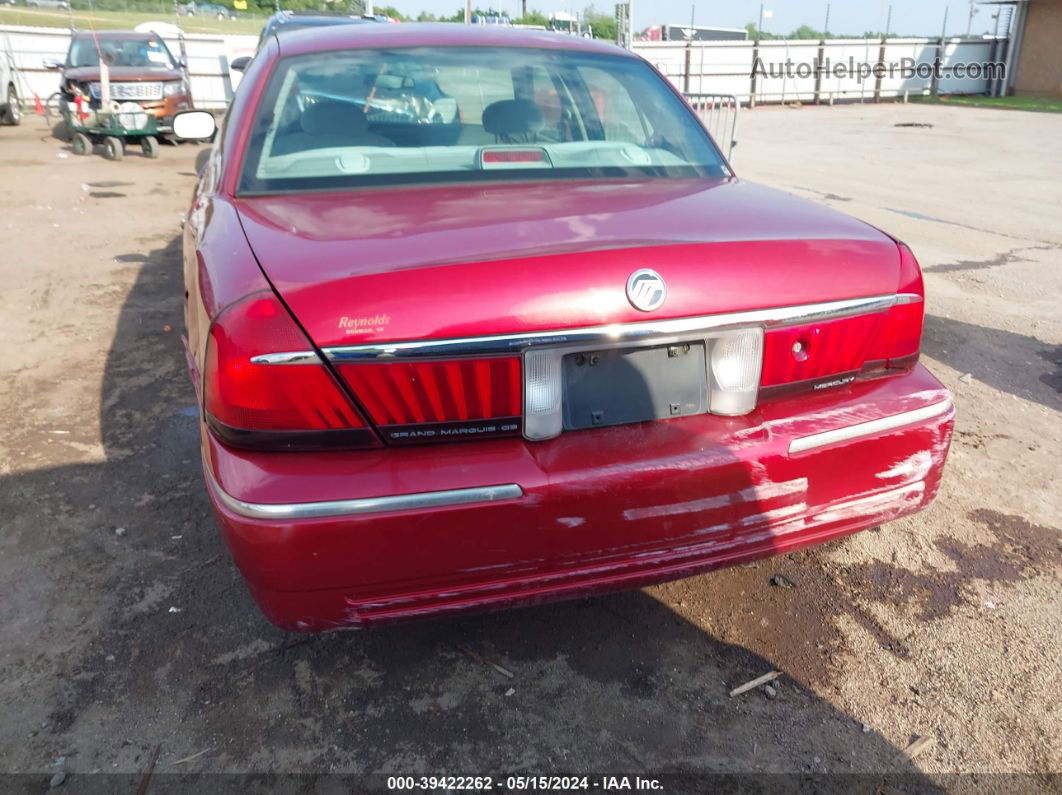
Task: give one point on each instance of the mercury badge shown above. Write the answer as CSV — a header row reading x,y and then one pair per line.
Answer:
x,y
646,290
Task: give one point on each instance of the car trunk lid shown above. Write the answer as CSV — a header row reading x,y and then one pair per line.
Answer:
x,y
455,261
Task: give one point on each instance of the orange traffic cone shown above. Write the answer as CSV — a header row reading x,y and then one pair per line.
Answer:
x,y
38,108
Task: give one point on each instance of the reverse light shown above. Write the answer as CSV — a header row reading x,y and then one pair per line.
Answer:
x,y
735,359
543,418
253,402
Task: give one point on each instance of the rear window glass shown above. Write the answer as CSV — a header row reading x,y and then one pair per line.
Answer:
x,y
373,117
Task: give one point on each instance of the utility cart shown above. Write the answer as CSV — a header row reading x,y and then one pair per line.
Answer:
x,y
120,125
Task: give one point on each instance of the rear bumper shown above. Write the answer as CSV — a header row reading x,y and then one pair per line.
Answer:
x,y
332,540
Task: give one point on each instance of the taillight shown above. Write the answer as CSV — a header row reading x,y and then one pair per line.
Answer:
x,y
898,346
254,398
803,355
439,400
836,352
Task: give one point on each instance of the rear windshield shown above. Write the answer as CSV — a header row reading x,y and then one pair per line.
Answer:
x,y
376,117
140,53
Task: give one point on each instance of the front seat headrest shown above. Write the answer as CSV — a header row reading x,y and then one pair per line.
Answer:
x,y
512,117
334,118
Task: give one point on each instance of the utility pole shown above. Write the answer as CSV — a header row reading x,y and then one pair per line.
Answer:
x,y
523,9
888,22
826,27
969,19
759,25
468,12
934,85
689,53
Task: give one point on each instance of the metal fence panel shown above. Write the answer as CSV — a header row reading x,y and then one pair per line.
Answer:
x,y
715,67
719,114
726,67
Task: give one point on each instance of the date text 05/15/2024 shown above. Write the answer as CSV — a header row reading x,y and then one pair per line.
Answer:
x,y
523,783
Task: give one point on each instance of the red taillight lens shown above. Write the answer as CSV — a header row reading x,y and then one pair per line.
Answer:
x,y
425,401
836,352
897,347
817,350
258,404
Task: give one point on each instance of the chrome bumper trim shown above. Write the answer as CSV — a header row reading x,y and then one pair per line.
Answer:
x,y
618,333
816,440
287,357
362,506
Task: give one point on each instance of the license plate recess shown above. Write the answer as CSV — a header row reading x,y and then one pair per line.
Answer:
x,y
624,385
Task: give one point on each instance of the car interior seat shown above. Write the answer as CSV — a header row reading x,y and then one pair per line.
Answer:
x,y
513,121
331,123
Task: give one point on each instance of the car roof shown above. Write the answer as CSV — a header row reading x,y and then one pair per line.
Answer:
x,y
318,20
426,34
129,35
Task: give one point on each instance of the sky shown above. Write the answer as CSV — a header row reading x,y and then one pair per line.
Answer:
x,y
917,17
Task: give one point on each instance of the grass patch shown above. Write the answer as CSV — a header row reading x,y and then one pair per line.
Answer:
x,y
1041,104
125,20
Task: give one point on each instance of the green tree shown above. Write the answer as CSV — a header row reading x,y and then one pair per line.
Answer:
x,y
806,32
754,35
603,25
533,17
390,11
459,16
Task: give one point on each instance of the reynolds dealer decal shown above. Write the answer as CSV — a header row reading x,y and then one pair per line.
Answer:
x,y
356,326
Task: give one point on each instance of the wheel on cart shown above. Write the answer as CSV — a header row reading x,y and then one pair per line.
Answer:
x,y
150,146
114,146
80,144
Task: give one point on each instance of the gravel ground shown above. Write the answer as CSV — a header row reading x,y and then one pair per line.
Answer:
x,y
126,633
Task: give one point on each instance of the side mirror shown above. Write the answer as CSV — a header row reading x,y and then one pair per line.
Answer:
x,y
240,64
194,125
53,64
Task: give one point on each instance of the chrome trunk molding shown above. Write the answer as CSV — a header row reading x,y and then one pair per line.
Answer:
x,y
618,333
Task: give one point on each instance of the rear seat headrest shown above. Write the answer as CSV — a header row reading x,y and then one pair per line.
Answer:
x,y
512,117
334,118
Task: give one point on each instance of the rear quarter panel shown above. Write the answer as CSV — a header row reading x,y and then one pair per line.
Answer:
x,y
219,266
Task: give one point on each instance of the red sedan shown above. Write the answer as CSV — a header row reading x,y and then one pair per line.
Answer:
x,y
484,318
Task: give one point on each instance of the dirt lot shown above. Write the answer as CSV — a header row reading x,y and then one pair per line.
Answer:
x,y
125,629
